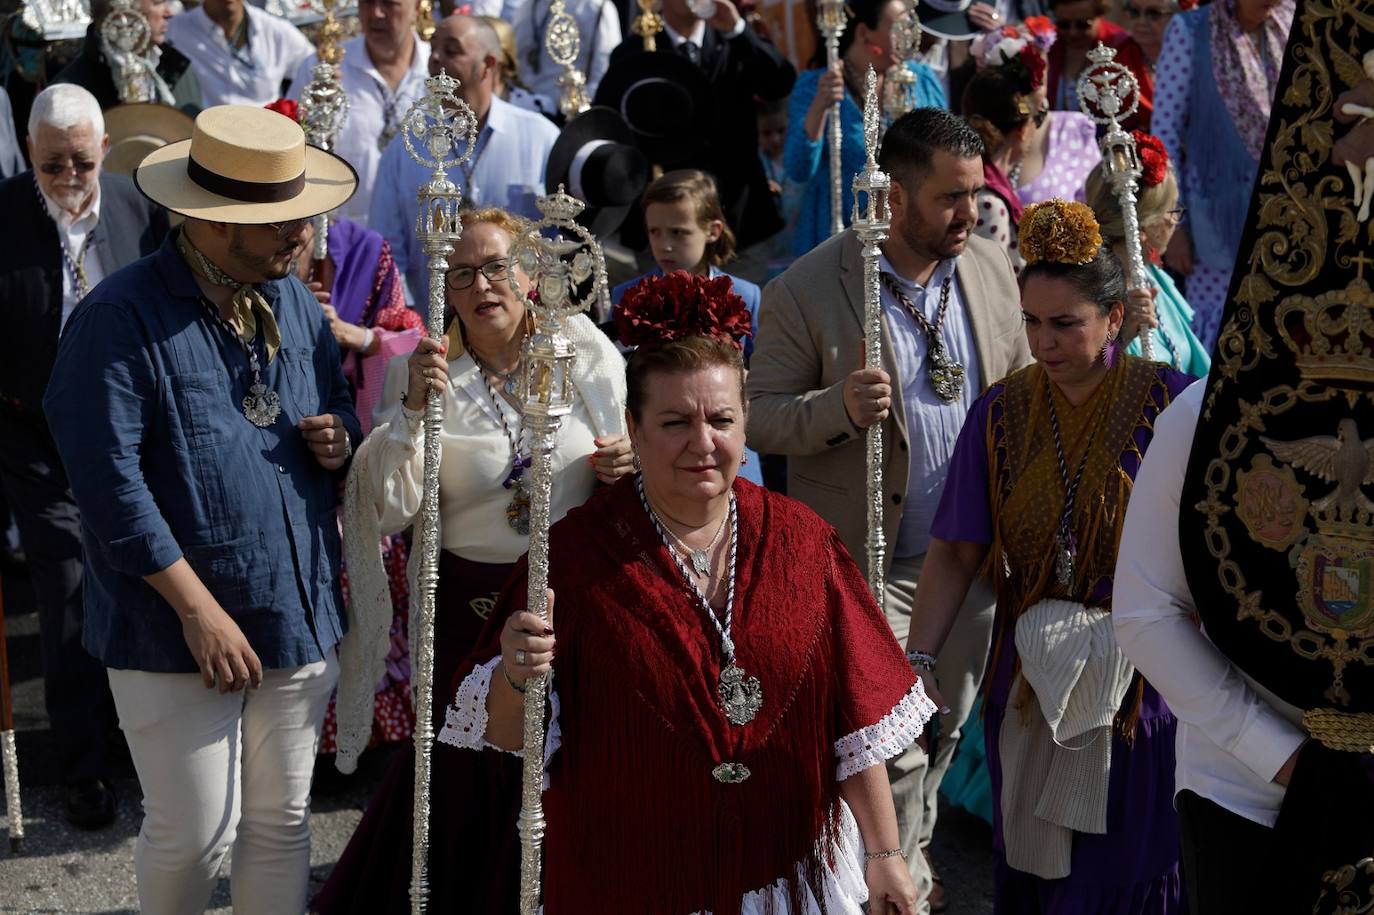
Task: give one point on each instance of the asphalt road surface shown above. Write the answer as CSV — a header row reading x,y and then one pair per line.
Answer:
x,y
66,870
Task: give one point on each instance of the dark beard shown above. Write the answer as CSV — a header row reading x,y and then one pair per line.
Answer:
x,y
256,264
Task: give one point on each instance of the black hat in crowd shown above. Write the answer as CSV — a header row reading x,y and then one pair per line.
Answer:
x,y
596,160
665,99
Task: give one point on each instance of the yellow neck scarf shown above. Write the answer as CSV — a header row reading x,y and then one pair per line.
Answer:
x,y
249,305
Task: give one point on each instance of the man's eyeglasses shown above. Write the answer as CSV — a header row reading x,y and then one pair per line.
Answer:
x,y
80,166
1075,25
460,278
1153,15
286,229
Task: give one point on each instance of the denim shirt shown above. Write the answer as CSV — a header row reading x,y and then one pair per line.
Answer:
x,y
144,404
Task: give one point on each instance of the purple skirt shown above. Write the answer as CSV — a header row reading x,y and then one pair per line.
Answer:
x,y
1132,869
474,860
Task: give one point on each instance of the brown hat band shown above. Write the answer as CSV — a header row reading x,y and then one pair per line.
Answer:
x,y
245,191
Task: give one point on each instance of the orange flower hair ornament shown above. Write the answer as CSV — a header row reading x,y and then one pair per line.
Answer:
x,y
1059,232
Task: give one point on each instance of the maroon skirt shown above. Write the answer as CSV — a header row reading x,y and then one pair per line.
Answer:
x,y
474,850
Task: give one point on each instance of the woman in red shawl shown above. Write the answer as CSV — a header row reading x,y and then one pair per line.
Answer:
x,y
725,689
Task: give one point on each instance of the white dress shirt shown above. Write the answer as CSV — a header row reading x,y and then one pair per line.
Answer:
x,y
598,25
1233,734
373,106
932,426
251,75
72,234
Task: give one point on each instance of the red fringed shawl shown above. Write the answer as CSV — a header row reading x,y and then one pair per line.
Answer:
x,y
636,822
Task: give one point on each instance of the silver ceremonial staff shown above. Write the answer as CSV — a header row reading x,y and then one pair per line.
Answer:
x,y
126,35
830,22
562,43
439,133
1108,93
324,108
567,275
871,220
899,83
10,758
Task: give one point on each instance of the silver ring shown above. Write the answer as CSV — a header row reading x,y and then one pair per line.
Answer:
x,y
520,657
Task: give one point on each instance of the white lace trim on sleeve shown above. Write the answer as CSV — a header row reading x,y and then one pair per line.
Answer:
x,y
465,719
879,742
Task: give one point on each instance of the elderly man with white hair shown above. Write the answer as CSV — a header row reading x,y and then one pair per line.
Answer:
x,y
70,226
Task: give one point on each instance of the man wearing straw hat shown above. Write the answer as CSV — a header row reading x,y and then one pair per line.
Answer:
x,y
203,418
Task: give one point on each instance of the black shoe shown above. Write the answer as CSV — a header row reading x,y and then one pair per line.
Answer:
x,y
90,803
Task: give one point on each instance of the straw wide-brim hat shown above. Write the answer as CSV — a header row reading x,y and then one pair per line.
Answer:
x,y
245,165
139,128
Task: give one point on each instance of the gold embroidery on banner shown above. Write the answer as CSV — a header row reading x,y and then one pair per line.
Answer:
x,y
1306,222
1347,890
482,606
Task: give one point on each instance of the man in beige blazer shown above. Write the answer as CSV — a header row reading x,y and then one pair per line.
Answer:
x,y
809,399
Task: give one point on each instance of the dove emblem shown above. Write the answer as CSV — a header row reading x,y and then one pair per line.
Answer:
x,y
1344,459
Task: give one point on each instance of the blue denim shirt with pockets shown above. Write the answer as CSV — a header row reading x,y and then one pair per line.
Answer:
x,y
145,405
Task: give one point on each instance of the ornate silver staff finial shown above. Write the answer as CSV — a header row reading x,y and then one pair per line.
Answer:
x,y
324,105
126,35
871,220
1109,94
899,83
831,19
567,275
439,132
563,43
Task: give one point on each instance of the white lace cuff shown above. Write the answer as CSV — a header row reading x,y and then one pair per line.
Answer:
x,y
879,742
465,719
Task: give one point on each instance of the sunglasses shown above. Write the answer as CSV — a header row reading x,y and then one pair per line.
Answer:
x,y
1152,15
80,166
286,229
1075,25
460,278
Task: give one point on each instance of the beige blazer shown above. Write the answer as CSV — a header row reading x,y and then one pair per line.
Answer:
x,y
809,339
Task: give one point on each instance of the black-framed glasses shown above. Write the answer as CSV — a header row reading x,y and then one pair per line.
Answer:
x,y
80,166
286,229
1152,15
1075,25
1177,213
460,278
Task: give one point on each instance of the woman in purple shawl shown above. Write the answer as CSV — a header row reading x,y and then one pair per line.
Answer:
x,y
372,324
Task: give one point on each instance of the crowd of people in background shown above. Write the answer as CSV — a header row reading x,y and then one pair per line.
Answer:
x,y
1009,366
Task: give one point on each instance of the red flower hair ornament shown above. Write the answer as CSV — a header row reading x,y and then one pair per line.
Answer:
x,y
1154,158
285,106
661,309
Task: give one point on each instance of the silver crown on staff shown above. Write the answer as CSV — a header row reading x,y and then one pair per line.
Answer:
x,y
1109,94
439,132
899,83
324,104
871,220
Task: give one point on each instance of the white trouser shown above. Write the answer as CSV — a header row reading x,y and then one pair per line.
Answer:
x,y
914,775
220,771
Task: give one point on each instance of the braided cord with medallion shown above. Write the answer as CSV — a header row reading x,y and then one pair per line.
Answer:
x,y
946,373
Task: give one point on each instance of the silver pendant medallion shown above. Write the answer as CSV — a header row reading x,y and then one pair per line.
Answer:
x,y
1063,566
946,375
740,696
701,562
730,773
518,511
261,406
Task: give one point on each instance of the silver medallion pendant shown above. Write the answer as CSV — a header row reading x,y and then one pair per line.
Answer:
x,y
261,406
1063,560
730,773
701,563
518,511
946,375
387,135
740,696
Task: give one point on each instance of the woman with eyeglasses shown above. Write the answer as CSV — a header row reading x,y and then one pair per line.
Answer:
x,y
1217,74
1158,212
1005,103
484,528
1081,25
1146,20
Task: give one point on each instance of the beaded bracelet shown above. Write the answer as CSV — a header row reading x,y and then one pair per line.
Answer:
x,y
879,855
920,660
